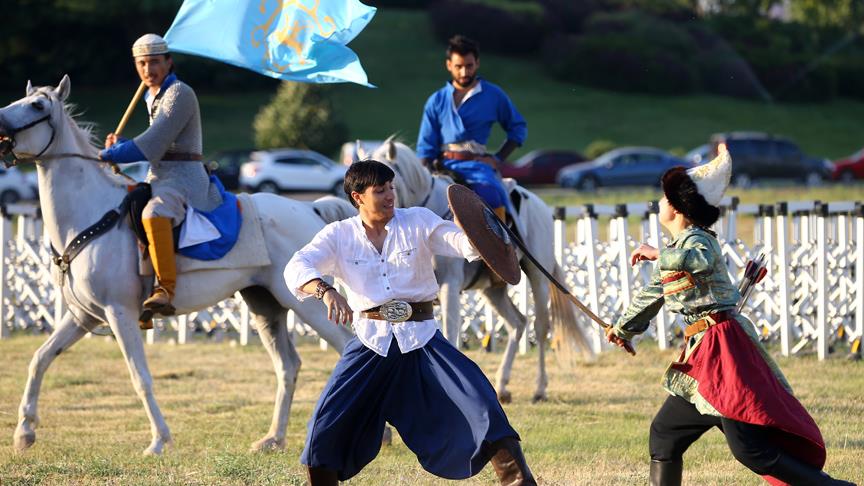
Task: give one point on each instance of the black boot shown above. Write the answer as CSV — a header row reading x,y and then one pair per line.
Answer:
x,y
320,476
796,473
510,465
666,473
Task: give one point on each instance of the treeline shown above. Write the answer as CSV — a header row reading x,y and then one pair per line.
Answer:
x,y
647,46
91,40
674,46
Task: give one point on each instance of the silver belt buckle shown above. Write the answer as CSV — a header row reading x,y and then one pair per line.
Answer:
x,y
396,311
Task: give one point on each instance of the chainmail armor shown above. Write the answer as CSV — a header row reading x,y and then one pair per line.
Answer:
x,y
175,126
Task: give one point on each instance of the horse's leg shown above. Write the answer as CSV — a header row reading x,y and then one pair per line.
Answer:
x,y
452,325
540,291
450,275
65,335
123,323
514,320
269,318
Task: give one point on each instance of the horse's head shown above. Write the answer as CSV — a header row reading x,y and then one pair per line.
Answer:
x,y
27,126
413,181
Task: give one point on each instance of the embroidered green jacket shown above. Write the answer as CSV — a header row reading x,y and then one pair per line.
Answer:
x,y
692,280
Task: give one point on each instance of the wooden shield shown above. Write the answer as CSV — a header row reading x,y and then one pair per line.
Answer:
x,y
486,232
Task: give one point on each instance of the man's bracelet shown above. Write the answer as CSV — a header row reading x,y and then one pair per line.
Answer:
x,y
322,289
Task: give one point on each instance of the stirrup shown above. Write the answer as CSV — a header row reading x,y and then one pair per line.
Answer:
x,y
145,320
154,305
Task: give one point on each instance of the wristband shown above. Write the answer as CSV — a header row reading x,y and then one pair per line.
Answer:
x,y
322,289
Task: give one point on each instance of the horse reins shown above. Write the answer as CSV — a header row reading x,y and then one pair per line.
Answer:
x,y
41,155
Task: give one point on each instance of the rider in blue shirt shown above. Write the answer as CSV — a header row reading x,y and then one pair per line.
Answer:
x,y
457,120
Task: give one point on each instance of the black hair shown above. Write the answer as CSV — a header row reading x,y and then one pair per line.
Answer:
x,y
683,195
364,174
459,44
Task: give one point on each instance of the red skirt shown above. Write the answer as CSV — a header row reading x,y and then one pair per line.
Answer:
x,y
735,379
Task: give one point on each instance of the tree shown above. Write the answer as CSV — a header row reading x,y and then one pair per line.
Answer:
x,y
846,14
301,115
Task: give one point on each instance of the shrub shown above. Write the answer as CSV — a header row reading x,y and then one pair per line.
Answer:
x,y
628,51
506,28
781,53
599,147
850,76
301,115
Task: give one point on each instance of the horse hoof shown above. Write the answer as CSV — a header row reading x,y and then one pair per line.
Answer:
x,y
156,447
268,444
387,438
505,397
538,397
24,440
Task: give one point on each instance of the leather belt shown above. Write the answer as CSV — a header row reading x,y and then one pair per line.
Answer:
x,y
461,155
401,311
706,322
181,157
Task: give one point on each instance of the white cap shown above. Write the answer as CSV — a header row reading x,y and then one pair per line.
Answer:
x,y
712,179
149,45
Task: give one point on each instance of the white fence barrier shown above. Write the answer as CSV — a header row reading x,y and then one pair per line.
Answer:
x,y
813,295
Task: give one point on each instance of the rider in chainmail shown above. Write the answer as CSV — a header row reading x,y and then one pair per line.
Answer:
x,y
173,146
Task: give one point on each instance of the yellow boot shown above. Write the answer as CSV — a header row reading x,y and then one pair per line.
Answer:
x,y
501,212
161,236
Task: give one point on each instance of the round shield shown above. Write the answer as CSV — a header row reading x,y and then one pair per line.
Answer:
x,y
486,232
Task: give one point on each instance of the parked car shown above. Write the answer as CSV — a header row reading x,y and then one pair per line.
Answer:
x,y
349,153
540,166
291,170
226,165
628,166
699,155
759,156
849,168
15,185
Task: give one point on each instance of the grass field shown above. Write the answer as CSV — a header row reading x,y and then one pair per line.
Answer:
x,y
403,59
217,399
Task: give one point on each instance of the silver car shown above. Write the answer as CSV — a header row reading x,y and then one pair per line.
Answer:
x,y
280,170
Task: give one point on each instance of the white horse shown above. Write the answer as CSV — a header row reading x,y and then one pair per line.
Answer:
x,y
416,186
102,284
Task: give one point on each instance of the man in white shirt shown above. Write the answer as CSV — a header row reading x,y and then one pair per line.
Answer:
x,y
399,368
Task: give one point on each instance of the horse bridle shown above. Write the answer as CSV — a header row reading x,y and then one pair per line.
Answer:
x,y
7,144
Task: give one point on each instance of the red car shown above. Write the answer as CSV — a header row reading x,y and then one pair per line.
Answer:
x,y
540,166
849,168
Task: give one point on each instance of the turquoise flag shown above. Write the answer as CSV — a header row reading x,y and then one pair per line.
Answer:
x,y
297,40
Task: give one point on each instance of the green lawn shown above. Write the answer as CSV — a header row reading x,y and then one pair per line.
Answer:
x,y
217,399
407,64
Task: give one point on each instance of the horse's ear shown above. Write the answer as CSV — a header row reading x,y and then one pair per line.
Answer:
x,y
391,150
63,88
29,90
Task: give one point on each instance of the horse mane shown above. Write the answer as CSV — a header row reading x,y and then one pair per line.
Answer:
x,y
416,179
83,132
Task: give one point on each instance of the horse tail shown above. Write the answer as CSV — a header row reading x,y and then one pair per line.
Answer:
x,y
570,328
332,208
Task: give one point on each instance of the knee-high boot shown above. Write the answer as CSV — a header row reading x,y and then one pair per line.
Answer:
x,y
161,237
320,476
666,473
510,465
795,472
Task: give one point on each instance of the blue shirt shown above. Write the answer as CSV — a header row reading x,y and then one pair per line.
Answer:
x,y
442,123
